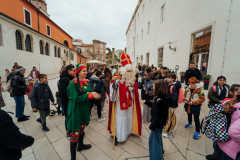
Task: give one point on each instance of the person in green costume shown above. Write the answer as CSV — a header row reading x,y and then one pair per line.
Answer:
x,y
79,94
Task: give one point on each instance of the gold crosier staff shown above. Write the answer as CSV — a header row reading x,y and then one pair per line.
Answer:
x,y
114,104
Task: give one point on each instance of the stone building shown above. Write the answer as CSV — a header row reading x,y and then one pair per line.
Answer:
x,y
173,32
29,37
94,51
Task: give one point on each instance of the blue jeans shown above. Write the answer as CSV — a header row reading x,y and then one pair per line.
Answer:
x,y
156,145
20,103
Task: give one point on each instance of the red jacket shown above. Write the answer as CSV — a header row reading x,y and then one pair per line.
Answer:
x,y
29,90
37,73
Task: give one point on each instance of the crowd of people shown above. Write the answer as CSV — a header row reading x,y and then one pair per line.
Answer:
x,y
82,88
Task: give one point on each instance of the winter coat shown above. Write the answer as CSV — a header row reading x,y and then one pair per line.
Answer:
x,y
104,89
196,97
213,96
58,97
29,90
64,81
11,139
78,105
96,84
192,73
10,76
19,86
40,96
37,73
232,147
173,97
2,104
159,112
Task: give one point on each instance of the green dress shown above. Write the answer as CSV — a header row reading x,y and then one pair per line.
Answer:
x,y
78,105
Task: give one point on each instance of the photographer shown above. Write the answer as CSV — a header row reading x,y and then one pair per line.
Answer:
x,y
147,94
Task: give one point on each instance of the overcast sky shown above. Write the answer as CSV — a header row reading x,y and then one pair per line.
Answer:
x,y
105,20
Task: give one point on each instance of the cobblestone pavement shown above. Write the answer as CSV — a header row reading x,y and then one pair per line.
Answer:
x,y
54,145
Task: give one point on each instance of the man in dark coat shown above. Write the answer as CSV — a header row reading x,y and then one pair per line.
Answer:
x,y
192,72
65,78
19,88
12,141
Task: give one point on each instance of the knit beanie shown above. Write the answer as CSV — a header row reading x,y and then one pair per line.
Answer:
x,y
79,67
21,69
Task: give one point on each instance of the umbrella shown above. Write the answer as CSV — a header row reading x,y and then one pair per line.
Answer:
x,y
95,62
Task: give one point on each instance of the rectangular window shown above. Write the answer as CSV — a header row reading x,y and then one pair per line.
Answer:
x,y
101,51
48,30
162,13
148,27
101,45
160,57
27,17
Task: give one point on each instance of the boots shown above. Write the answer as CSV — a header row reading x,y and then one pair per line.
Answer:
x,y
44,127
73,147
82,146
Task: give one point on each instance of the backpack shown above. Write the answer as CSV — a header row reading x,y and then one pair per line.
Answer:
x,y
214,91
171,121
214,125
180,94
9,85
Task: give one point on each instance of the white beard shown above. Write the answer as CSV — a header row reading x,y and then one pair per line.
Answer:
x,y
129,78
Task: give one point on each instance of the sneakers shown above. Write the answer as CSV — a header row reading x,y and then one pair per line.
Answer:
x,y
103,112
92,117
188,125
165,135
196,135
101,119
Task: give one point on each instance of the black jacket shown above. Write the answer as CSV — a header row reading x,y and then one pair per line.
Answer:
x,y
96,84
159,112
63,84
192,73
40,96
18,83
173,96
11,139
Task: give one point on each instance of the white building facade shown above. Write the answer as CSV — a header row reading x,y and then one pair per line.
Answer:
x,y
174,32
41,51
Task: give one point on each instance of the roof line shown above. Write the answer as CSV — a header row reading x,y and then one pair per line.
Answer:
x,y
134,13
33,30
48,18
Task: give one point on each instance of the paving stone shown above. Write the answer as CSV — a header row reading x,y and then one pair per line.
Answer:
x,y
192,155
43,150
98,139
28,157
174,156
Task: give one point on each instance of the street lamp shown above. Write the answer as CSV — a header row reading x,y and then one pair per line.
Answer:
x,y
113,50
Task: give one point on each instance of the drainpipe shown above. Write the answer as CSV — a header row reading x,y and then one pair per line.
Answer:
x,y
226,37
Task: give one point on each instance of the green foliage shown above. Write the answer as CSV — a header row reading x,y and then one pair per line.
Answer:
x,y
207,77
182,73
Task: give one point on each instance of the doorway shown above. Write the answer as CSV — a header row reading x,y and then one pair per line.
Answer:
x,y
200,49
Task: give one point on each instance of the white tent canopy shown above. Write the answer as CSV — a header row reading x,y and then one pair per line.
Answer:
x,y
95,62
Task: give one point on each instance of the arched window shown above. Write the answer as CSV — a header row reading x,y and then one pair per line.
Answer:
x,y
59,52
55,51
28,43
18,40
41,46
47,49
66,43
